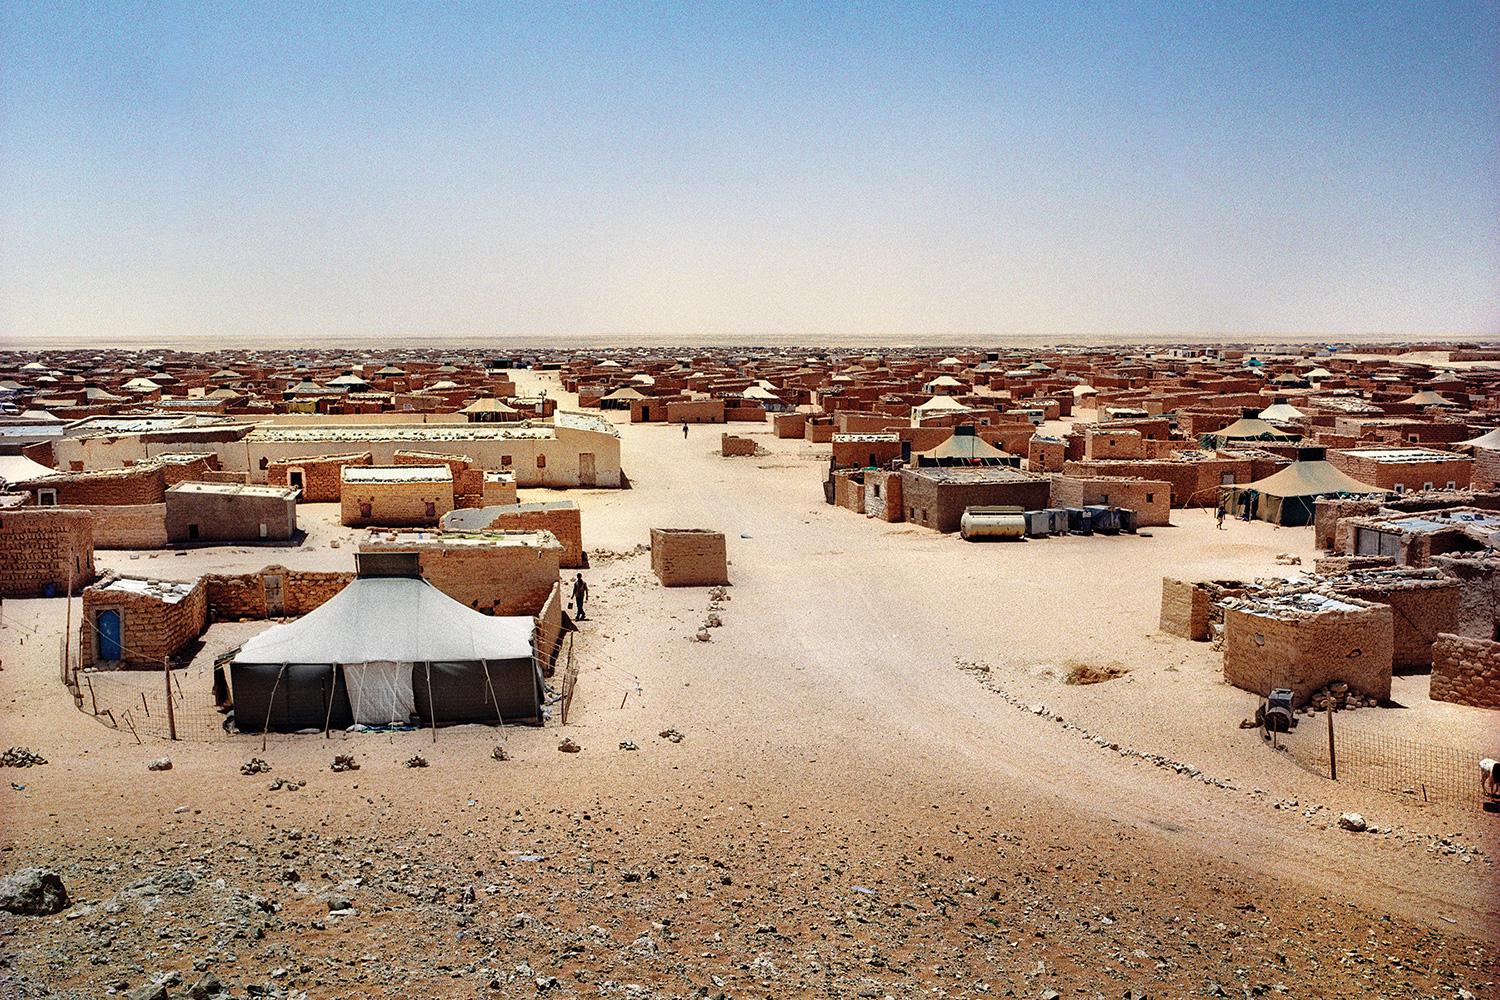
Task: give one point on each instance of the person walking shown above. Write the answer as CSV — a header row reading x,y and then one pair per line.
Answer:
x,y
684,430
580,593
1219,517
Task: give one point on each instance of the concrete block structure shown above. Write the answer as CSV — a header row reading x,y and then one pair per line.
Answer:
x,y
493,572
1149,498
936,498
1045,454
499,489
561,517
696,411
1306,641
689,557
1186,609
733,446
395,495
319,477
227,512
136,623
41,549
1466,671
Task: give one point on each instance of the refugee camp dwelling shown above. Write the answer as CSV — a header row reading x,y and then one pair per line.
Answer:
x,y
1305,641
937,497
965,448
1413,538
230,512
492,572
1289,496
389,650
1401,469
1485,450
395,495
135,623
560,517
1249,428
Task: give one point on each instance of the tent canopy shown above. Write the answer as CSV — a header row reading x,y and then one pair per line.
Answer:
x,y
399,619
1305,479
1248,429
964,448
1488,442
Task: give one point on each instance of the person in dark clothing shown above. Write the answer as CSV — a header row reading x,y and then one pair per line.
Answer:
x,y
580,593
684,431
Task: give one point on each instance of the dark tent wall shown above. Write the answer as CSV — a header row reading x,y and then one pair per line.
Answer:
x,y
295,699
461,691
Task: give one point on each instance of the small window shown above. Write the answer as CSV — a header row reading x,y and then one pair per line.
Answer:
x,y
46,498
1452,485
431,509
192,531
1427,485
75,465
541,461
1400,487
364,510
504,461
1151,498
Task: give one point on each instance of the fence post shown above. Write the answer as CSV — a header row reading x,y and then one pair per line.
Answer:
x,y
1333,761
166,674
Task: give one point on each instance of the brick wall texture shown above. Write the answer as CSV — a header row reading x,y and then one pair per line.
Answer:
x,y
133,526
38,546
493,579
1185,609
688,557
1306,653
320,475
732,446
1149,498
140,484
248,596
940,505
705,411
1466,671
395,504
789,425
151,630
1045,454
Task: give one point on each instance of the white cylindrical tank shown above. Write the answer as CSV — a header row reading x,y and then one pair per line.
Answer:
x,y
993,522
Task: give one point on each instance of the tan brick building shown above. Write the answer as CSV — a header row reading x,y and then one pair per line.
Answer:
x,y
41,549
135,623
395,495
230,512
561,517
1149,498
1403,470
1306,641
319,477
494,572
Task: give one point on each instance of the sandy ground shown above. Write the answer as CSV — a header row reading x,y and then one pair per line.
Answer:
x,y
864,802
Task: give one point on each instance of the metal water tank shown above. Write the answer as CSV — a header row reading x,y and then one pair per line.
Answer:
x,y
992,522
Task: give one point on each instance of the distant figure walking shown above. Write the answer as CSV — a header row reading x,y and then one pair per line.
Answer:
x,y
1220,517
684,430
580,593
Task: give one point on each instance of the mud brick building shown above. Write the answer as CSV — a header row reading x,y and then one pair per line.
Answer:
x,y
732,446
1478,578
561,517
129,526
494,572
1466,671
41,549
395,495
135,623
230,512
689,557
1403,470
273,592
1045,454
1423,602
859,451
499,489
140,484
696,411
1414,538
936,498
789,425
468,478
186,468
1111,442
1305,641
1195,480
882,494
317,476
1147,497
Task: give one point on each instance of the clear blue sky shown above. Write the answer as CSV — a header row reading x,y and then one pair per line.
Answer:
x,y
305,169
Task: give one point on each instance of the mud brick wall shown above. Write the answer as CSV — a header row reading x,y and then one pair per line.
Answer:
x,y
859,452
940,505
39,547
395,504
188,470
1185,609
151,630
1194,484
818,430
1012,438
1326,515
1308,652
849,492
468,488
137,526
1486,471
1148,498
243,596
223,476
789,425
1420,611
1101,442
1334,565
321,476
1478,615
565,523
498,493
1045,454
1466,671
546,638
731,446
883,495
1408,475
745,413
687,557
141,484
229,517
704,411
494,580
855,422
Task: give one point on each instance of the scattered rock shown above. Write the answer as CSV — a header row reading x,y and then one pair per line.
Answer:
x,y
568,746
345,762
628,745
416,760
254,766
160,764
21,757
1353,822
671,734
33,892
500,753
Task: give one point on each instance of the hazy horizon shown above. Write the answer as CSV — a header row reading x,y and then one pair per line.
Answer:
x,y
943,173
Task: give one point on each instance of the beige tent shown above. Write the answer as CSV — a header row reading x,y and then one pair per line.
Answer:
x,y
1287,496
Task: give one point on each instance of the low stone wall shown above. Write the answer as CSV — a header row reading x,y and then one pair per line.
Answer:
x,y
688,557
274,592
731,446
1466,671
44,547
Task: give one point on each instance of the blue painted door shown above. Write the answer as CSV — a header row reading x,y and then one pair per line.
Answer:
x,y
108,624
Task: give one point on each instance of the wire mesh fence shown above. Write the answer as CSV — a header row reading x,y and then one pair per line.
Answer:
x,y
138,702
1396,764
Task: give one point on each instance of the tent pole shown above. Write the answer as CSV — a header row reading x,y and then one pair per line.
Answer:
x,y
270,702
493,697
431,708
328,713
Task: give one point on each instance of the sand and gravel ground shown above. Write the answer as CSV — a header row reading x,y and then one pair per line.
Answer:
x,y
865,801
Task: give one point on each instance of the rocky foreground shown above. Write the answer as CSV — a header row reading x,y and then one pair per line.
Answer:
x,y
326,887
